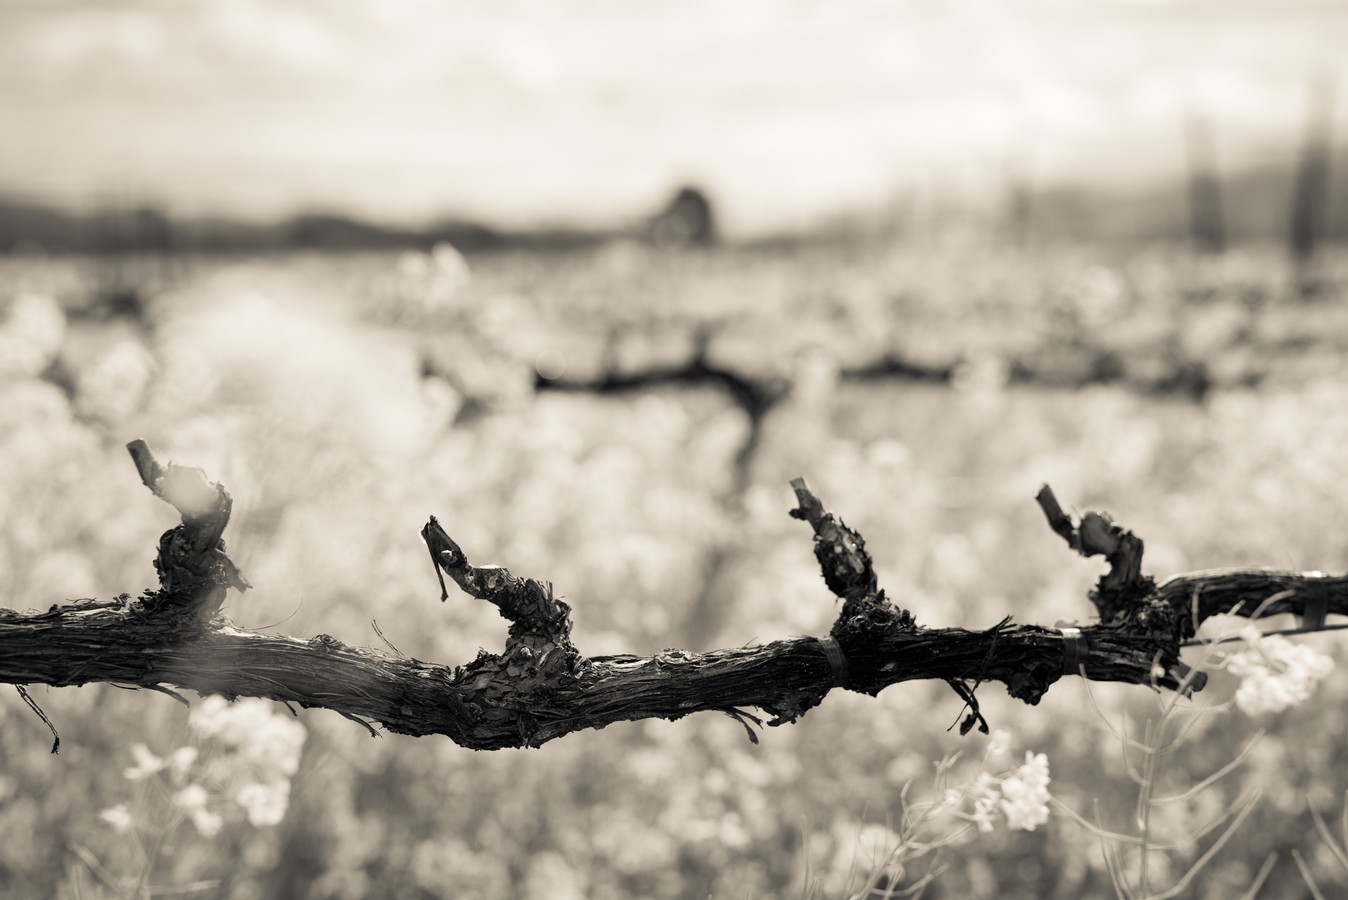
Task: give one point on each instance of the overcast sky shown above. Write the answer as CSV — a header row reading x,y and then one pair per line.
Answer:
x,y
592,111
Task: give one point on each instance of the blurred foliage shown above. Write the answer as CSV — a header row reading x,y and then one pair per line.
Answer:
x,y
343,399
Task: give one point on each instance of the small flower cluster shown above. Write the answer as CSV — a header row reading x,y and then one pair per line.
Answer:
x,y
1275,673
188,798
259,753
253,754
1019,796
1025,794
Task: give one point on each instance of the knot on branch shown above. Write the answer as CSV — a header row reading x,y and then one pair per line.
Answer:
x,y
194,569
1122,592
538,652
841,551
867,617
848,570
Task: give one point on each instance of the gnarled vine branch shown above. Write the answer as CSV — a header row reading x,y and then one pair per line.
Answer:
x,y
542,686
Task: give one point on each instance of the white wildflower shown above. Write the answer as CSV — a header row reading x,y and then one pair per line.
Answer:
x,y
179,763
265,804
877,844
1020,796
985,791
948,803
1275,673
1025,794
210,716
192,800
257,753
999,742
118,817
252,729
194,796
147,764
278,741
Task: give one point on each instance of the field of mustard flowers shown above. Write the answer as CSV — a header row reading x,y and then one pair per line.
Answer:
x,y
925,391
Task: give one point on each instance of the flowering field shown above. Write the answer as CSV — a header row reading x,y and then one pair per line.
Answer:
x,y
551,411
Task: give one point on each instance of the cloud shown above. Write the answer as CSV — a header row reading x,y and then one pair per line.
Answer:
x,y
536,109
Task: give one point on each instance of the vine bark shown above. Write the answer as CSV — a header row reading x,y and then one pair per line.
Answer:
x,y
541,686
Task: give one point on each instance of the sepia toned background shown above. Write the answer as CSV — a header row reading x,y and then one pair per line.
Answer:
x,y
591,282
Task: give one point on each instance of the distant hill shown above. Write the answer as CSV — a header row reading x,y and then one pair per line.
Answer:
x,y
1255,205
149,230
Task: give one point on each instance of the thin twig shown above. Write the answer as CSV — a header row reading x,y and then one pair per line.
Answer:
x,y
1328,838
1306,876
32,704
1214,777
1264,871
